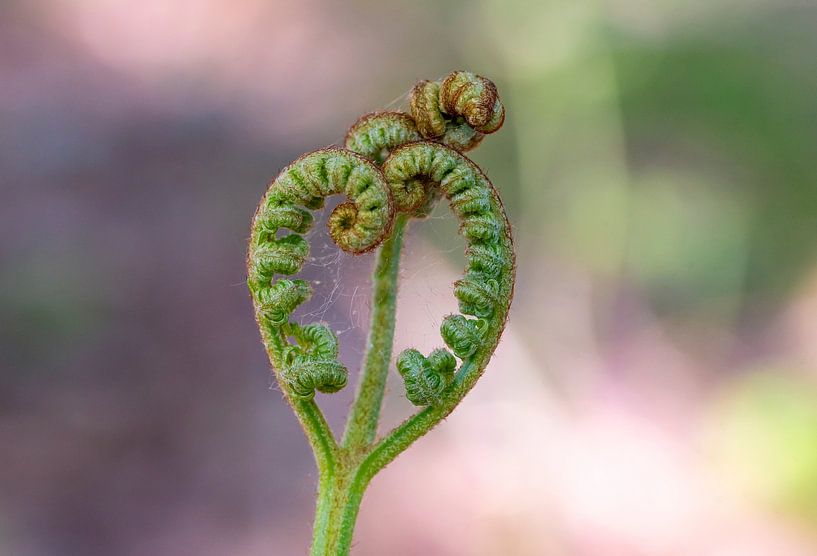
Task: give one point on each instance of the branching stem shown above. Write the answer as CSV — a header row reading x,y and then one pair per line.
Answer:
x,y
394,167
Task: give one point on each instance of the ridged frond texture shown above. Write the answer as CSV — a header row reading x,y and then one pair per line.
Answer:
x,y
457,111
393,162
312,364
484,292
426,378
356,225
374,135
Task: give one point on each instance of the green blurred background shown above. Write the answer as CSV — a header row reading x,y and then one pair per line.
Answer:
x,y
654,394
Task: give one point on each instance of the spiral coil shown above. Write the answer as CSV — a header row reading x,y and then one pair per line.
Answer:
x,y
392,163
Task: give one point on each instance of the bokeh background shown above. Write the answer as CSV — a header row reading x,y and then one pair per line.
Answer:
x,y
655,393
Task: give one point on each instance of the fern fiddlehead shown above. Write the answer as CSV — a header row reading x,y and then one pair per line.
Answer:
x,y
395,167
485,291
356,226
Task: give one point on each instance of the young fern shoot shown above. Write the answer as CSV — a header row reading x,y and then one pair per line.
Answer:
x,y
394,168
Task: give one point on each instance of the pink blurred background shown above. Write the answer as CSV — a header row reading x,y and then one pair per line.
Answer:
x,y
655,393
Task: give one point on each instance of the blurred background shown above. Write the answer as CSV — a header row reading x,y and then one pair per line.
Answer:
x,y
655,392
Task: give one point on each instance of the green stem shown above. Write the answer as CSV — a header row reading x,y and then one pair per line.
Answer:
x,y
342,484
364,415
318,433
325,449
328,461
339,498
341,490
348,517
405,434
323,510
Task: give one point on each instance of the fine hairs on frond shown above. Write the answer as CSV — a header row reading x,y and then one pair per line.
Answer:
x,y
356,226
393,169
393,162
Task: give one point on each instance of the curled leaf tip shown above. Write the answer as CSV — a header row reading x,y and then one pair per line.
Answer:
x,y
475,98
392,163
462,335
457,111
426,378
304,375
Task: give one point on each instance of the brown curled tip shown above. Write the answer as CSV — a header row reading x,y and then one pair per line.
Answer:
x,y
473,97
457,111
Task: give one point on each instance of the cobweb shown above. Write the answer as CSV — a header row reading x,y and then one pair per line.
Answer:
x,y
342,291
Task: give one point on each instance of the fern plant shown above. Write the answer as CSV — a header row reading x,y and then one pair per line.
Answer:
x,y
393,169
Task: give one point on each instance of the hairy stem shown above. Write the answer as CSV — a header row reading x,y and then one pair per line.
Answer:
x,y
395,167
348,517
361,426
323,510
318,433
341,487
339,498
405,434
326,452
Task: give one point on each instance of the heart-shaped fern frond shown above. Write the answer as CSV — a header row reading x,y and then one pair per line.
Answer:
x,y
394,168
